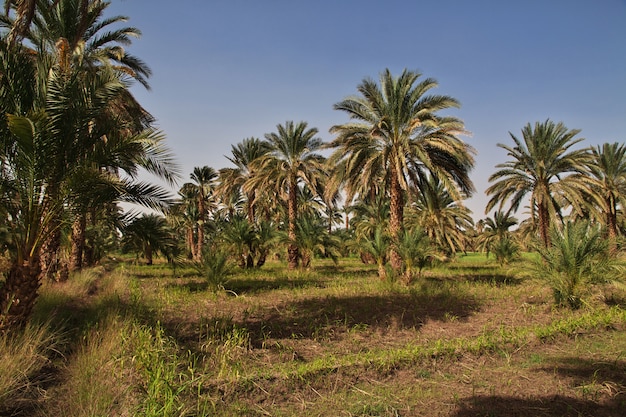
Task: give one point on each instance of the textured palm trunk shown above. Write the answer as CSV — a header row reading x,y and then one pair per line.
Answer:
x,y
200,234
18,294
292,250
148,254
191,243
611,225
262,258
396,209
51,268
78,242
544,224
250,206
382,273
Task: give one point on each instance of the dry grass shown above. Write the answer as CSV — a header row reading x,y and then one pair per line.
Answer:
x,y
469,338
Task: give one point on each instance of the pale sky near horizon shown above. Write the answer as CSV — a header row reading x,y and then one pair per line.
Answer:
x,y
226,70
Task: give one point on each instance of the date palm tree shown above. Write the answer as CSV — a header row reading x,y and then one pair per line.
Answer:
x,y
204,183
291,162
232,179
608,186
495,229
150,234
396,136
444,219
544,166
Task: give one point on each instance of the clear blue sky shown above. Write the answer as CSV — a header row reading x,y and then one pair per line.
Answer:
x,y
226,70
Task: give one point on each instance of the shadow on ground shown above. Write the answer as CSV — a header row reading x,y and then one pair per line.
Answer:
x,y
313,317
558,405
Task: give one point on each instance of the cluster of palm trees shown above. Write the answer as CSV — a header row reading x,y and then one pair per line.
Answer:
x,y
73,141
395,155
564,184
74,138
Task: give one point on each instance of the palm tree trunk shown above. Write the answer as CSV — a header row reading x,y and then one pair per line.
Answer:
x,y
382,273
191,243
199,242
18,294
148,254
611,225
250,206
544,224
50,251
292,250
78,242
396,209
200,234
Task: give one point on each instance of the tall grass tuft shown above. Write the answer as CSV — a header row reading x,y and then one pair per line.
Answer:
x,y
98,381
23,357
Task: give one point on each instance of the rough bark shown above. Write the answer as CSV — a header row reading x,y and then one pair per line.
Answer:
x,y
148,254
78,242
611,225
396,220
292,250
18,294
50,256
191,244
544,224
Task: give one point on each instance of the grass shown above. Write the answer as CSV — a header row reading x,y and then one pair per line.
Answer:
x,y
466,338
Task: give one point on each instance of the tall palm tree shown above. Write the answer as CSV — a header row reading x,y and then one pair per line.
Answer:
x,y
292,161
204,182
56,126
608,187
233,178
540,165
397,137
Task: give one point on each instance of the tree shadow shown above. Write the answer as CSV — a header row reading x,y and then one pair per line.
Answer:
x,y
313,317
248,286
557,405
602,382
585,372
495,279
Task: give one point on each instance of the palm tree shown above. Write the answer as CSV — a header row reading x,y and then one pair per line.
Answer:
x,y
445,220
540,166
397,137
239,237
416,250
58,129
577,257
312,237
377,247
291,161
233,179
608,186
204,182
78,33
495,229
150,234
73,37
